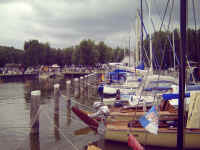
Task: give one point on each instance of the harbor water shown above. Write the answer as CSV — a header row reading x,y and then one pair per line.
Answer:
x,y
65,131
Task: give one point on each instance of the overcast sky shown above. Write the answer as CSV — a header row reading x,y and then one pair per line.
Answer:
x,y
64,23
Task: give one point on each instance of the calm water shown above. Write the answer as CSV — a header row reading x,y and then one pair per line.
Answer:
x,y
66,133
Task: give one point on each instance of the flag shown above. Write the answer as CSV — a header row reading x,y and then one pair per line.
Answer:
x,y
133,143
150,120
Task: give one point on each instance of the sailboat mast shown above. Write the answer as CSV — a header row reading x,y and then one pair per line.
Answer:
x,y
150,40
138,38
141,49
129,45
174,54
183,25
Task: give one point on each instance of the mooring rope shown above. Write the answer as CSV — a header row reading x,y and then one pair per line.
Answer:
x,y
74,101
67,139
24,139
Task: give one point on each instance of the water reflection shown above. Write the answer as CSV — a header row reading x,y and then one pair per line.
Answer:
x,y
56,126
68,112
13,98
83,131
43,86
56,115
34,141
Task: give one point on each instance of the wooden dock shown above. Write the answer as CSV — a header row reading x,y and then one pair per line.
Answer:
x,y
71,74
14,77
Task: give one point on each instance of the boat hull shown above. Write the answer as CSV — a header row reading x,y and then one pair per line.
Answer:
x,y
165,137
92,123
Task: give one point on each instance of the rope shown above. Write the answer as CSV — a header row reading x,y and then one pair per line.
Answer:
x,y
73,119
170,16
194,15
74,101
67,139
164,15
20,144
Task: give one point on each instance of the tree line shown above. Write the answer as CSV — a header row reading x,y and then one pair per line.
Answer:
x,y
88,52
37,53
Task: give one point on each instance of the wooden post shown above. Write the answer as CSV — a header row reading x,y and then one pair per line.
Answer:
x,y
68,95
86,85
34,114
95,85
76,87
81,85
56,111
68,89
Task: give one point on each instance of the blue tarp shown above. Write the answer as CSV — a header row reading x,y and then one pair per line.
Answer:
x,y
117,76
140,66
193,87
173,96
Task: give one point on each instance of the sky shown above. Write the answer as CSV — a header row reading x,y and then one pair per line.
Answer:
x,y
64,23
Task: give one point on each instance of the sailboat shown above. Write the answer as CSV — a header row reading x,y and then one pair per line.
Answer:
x,y
167,136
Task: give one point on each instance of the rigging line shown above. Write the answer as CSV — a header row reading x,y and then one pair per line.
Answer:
x,y
198,8
159,10
161,19
172,47
67,139
163,56
161,27
144,30
164,15
151,17
145,50
190,69
170,16
194,15
142,23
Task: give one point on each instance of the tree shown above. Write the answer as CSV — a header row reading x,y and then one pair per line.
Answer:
x,y
103,53
88,53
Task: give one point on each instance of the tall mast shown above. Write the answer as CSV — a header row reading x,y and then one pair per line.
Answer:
x,y
129,43
183,25
141,49
174,51
150,40
138,38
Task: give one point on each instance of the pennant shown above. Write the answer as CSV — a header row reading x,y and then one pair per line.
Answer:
x,y
133,143
150,120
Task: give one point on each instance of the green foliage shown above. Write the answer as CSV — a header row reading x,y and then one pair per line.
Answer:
x,y
36,53
10,55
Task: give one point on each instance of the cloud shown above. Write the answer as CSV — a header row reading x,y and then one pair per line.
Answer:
x,y
63,23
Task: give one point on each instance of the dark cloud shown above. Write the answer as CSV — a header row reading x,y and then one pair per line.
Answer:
x,y
65,22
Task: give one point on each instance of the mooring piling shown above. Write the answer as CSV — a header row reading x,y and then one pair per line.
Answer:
x,y
68,98
76,87
68,89
81,85
56,110
34,113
